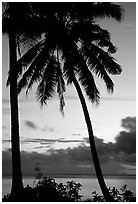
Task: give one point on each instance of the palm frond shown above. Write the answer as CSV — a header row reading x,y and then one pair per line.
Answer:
x,y
27,59
87,81
29,56
83,11
33,72
23,82
61,88
75,64
36,68
47,85
111,66
107,61
89,31
97,67
69,61
41,62
107,9
111,48
100,71
69,69
86,78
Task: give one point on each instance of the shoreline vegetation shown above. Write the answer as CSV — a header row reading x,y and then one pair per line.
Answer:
x,y
46,189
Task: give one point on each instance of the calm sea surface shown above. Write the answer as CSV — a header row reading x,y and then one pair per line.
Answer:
x,y
89,184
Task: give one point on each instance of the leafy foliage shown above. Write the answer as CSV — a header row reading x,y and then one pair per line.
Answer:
x,y
122,195
46,189
73,40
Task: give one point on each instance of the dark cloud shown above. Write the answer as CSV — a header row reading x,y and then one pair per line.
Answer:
x,y
129,124
72,161
126,140
124,148
30,124
6,162
126,158
33,126
113,156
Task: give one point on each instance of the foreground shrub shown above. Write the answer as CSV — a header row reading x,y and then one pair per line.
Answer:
x,y
123,195
47,190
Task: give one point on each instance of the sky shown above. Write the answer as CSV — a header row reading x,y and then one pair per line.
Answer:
x,y
46,135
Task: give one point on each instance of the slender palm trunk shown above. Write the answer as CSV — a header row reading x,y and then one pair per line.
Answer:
x,y
98,170
17,184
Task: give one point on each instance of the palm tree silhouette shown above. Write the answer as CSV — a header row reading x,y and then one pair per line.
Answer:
x,y
75,47
17,23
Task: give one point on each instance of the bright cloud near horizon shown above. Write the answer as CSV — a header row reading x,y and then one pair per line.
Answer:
x,y
47,122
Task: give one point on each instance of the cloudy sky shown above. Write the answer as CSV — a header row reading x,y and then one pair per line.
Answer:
x,y
46,135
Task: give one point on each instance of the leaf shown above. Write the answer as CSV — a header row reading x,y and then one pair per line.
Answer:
x,y
46,87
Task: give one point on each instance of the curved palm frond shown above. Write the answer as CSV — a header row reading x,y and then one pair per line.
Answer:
x,y
92,10
97,67
27,59
61,88
69,61
33,72
106,59
108,62
41,62
107,9
87,81
47,85
85,77
91,32
35,69
88,30
69,69
29,56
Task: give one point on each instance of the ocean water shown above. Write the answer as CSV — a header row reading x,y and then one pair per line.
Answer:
x,y
89,184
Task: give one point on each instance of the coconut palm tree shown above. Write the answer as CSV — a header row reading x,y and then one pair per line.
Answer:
x,y
74,48
17,23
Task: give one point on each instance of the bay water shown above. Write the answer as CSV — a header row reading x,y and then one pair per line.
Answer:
x,y
89,183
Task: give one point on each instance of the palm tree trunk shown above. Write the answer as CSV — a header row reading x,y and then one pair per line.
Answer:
x,y
17,184
98,170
